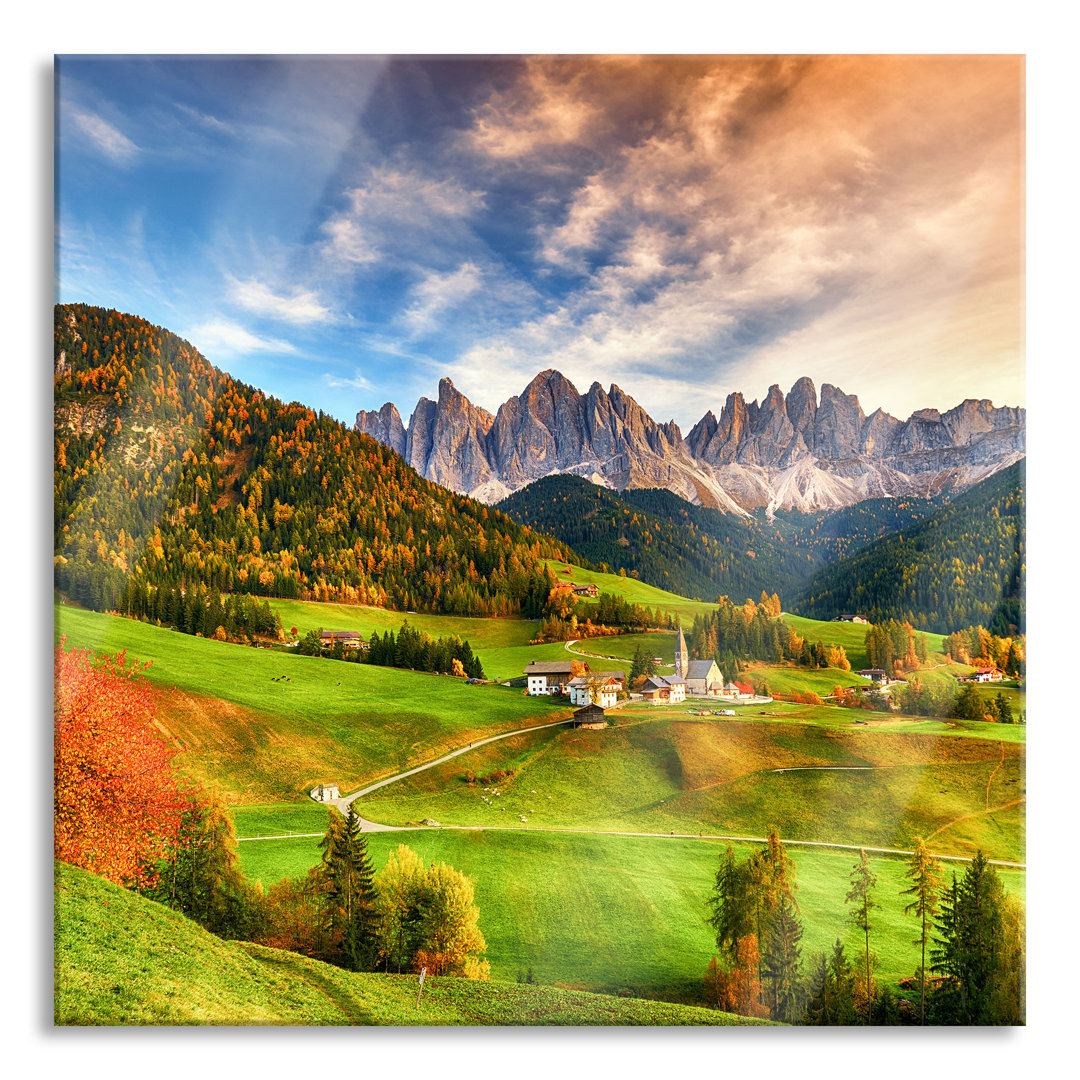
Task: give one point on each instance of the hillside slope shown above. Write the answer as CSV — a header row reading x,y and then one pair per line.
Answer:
x,y
698,551
168,471
964,565
123,960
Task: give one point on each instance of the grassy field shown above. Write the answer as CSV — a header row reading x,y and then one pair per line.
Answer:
x,y
123,960
617,914
637,592
729,776
259,740
480,633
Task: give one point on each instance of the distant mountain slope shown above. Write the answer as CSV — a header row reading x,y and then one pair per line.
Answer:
x,y
964,565
698,551
798,452
123,960
169,471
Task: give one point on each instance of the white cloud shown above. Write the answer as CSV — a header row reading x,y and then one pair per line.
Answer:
x,y
111,142
437,293
301,306
398,215
357,382
231,339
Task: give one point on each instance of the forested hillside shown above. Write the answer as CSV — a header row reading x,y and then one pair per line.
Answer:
x,y
962,566
170,472
698,551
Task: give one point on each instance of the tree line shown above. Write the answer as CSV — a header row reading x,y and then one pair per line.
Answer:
x,y
965,563
411,649
970,932
169,471
735,634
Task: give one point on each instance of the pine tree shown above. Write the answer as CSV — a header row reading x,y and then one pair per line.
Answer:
x,y
862,881
781,959
925,877
346,885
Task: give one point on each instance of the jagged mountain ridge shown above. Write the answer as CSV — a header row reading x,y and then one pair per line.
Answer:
x,y
796,452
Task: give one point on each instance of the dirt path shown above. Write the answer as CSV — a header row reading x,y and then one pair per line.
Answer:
x,y
375,826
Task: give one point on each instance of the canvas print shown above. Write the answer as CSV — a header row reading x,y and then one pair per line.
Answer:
x,y
539,540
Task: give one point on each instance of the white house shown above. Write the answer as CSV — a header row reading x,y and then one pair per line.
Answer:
x,y
548,676
325,792
580,694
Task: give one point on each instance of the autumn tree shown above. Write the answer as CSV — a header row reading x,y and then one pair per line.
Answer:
x,y
429,918
199,873
924,873
116,804
862,883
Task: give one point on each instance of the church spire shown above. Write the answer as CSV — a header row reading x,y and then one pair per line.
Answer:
x,y
680,656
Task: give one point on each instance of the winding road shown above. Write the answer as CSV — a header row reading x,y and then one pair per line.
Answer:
x,y
374,826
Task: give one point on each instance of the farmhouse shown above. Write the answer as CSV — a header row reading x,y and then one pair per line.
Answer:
x,y
325,792
549,676
586,590
581,694
874,674
982,675
592,716
349,639
851,618
664,689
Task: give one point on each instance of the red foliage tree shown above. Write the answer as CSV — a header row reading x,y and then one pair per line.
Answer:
x,y
116,805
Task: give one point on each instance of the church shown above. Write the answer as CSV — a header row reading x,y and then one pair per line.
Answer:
x,y
702,677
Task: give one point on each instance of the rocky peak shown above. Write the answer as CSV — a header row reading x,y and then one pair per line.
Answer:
x,y
384,426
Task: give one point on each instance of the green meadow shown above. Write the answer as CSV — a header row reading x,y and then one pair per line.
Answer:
x,y
257,737
122,960
636,592
624,914
733,777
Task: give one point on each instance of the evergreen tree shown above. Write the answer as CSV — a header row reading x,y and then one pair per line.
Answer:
x,y
345,881
862,882
925,877
781,961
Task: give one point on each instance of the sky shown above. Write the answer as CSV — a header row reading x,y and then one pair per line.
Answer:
x,y
345,232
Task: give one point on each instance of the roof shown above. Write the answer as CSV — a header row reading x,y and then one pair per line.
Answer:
x,y
700,669
673,680
589,710
549,667
653,683
619,675
333,635
871,671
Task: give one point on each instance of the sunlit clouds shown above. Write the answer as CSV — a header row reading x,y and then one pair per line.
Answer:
x,y
682,227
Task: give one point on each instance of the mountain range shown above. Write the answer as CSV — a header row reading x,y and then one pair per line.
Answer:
x,y
803,451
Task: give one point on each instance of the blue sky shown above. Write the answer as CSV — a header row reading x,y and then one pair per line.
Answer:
x,y
345,232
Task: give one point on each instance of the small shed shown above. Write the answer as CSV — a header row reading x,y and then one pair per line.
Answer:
x,y
592,716
325,792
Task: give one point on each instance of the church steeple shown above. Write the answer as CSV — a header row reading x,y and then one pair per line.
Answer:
x,y
680,656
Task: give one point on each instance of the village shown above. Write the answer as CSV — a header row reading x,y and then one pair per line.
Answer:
x,y
595,692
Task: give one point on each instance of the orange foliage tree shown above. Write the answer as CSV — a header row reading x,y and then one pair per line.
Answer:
x,y
116,805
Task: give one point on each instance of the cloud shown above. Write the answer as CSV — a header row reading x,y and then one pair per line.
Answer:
x,y
437,293
754,214
301,306
543,110
231,339
357,382
399,215
111,142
